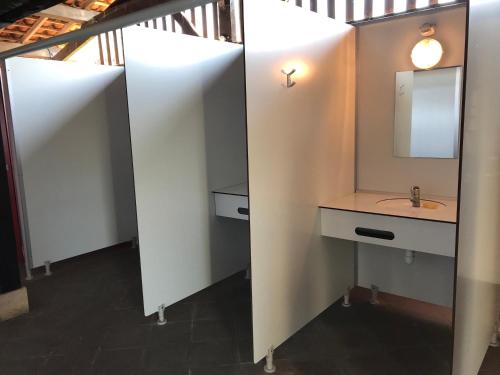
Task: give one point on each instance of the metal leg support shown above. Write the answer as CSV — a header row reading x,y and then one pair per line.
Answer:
x,y
270,367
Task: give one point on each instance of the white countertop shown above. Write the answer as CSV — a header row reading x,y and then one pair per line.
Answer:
x,y
240,189
367,202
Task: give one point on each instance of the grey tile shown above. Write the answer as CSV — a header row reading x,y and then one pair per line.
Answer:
x,y
15,329
24,349
127,337
212,353
56,365
179,312
166,356
123,362
171,332
420,360
212,330
21,367
212,311
245,351
492,360
362,364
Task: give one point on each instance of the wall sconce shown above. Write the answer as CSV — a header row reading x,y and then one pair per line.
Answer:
x,y
428,52
289,82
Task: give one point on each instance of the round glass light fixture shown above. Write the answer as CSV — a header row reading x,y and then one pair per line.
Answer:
x,y
427,53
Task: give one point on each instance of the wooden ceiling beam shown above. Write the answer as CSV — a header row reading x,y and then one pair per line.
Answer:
x,y
186,25
32,31
67,27
87,4
69,14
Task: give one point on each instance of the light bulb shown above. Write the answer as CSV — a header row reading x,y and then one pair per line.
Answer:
x,y
427,53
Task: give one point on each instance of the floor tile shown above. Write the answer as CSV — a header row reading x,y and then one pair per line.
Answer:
x,y
212,353
212,311
127,337
21,367
88,319
166,356
492,360
122,362
212,330
170,332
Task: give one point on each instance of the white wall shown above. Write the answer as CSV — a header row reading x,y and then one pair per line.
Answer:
x,y
430,278
186,101
72,138
384,48
300,152
478,279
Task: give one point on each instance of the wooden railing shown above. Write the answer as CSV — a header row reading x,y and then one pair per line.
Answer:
x,y
218,20
353,11
221,20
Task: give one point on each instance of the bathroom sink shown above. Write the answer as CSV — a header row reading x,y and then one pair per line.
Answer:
x,y
406,203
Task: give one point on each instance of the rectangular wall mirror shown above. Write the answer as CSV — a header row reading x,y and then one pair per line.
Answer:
x,y
427,113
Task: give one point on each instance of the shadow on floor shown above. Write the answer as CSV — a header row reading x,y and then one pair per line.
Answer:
x,y
87,319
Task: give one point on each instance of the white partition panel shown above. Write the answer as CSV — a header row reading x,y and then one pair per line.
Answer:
x,y
186,102
73,145
478,272
301,152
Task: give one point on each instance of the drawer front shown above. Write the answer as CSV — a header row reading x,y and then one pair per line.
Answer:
x,y
409,234
233,206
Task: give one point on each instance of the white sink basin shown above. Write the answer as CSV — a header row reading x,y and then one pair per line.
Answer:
x,y
406,203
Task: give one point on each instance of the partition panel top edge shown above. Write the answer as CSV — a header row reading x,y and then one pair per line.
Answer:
x,y
300,152
68,129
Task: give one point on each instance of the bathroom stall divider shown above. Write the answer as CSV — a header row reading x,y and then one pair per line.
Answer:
x,y
73,163
202,113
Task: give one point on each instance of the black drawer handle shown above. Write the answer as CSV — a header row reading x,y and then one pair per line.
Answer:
x,y
367,232
243,211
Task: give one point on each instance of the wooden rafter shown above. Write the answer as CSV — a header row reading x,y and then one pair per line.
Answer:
x,y
32,31
87,4
186,25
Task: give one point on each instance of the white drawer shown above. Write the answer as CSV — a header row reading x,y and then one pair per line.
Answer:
x,y
410,234
234,206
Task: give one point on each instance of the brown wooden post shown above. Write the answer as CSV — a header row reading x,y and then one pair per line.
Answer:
x,y
225,19
204,21
368,9
108,49
349,10
389,6
331,8
215,11
314,5
411,4
101,51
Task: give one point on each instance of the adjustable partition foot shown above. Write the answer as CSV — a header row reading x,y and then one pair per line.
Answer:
x,y
495,342
347,294
161,316
248,274
47,268
135,243
29,275
374,297
270,367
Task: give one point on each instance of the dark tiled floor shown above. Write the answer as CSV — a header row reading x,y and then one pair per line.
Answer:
x,y
491,364
87,319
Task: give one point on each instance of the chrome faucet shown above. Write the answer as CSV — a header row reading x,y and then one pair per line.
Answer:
x,y
415,196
